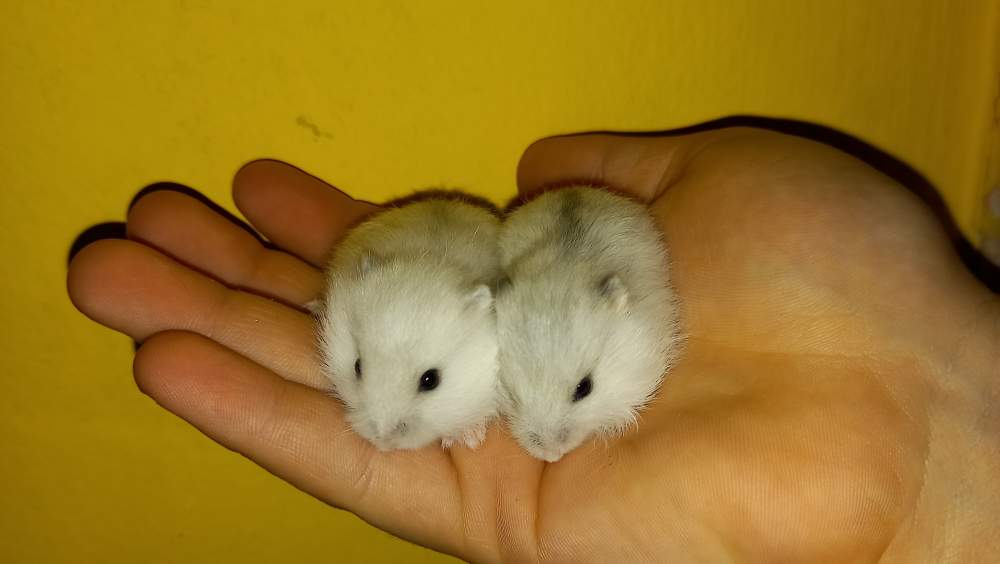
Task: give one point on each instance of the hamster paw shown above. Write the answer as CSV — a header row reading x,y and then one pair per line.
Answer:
x,y
471,438
474,436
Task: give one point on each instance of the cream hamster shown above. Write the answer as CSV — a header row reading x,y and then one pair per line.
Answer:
x,y
586,319
407,329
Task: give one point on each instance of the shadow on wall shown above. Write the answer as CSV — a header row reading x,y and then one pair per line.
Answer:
x,y
904,174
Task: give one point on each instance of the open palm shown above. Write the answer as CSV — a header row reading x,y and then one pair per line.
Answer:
x,y
839,362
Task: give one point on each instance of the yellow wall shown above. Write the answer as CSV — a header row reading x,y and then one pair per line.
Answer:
x,y
98,99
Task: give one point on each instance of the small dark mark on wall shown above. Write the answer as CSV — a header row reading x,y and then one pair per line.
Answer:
x,y
303,121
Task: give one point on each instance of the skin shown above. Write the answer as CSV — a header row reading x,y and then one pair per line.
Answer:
x,y
837,401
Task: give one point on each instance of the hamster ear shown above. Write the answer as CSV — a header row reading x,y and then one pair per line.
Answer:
x,y
480,298
614,291
369,261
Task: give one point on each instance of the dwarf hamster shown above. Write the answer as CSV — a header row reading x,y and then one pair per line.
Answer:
x,y
586,319
407,330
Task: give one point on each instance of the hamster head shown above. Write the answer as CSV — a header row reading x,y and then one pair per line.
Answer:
x,y
574,360
410,350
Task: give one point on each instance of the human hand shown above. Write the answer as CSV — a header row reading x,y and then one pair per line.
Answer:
x,y
835,401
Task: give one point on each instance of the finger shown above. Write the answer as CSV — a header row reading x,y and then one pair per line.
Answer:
x,y
300,435
136,290
641,166
190,231
296,211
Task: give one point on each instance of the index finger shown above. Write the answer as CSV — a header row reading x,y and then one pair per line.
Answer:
x,y
296,211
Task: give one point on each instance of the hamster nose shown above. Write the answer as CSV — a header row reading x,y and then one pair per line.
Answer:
x,y
551,440
549,447
389,430
563,436
548,453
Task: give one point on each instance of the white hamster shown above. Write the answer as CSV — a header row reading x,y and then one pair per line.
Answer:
x,y
586,319
407,330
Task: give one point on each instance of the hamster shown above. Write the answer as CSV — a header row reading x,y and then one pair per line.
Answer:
x,y
406,326
586,319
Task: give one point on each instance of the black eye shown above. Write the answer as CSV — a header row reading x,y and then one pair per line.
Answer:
x,y
357,368
583,388
429,380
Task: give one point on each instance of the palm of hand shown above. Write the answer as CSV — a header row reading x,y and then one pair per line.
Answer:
x,y
795,428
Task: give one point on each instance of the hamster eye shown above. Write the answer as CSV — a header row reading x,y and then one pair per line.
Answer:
x,y
429,380
357,368
583,388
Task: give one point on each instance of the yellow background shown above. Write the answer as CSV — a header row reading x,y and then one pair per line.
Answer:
x,y
98,99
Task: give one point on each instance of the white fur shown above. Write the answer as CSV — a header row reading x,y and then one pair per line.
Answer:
x,y
410,290
588,294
